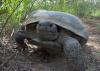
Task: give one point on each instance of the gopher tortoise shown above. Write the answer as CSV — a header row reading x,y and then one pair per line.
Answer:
x,y
53,29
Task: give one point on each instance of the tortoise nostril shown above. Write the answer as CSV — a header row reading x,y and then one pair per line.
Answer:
x,y
50,25
39,24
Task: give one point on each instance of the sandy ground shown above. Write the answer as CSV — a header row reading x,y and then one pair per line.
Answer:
x,y
11,60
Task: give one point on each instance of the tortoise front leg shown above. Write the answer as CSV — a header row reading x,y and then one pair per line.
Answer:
x,y
74,54
19,38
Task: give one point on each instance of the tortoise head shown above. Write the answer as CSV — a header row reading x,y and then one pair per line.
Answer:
x,y
47,30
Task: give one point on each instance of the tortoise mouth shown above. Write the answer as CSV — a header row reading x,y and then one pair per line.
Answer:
x,y
47,35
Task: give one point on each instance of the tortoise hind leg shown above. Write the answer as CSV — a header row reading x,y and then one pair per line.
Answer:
x,y
74,54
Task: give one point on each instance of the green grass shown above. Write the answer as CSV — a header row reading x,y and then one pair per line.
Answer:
x,y
76,7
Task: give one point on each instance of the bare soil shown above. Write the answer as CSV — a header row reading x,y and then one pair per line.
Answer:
x,y
12,60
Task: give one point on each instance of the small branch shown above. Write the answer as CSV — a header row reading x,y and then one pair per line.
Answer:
x,y
14,69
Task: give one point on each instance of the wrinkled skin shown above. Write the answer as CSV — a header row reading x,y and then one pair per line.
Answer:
x,y
50,36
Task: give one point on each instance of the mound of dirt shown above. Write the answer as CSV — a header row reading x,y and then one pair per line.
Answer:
x,y
12,60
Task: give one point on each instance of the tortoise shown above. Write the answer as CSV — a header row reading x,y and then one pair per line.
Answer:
x,y
54,29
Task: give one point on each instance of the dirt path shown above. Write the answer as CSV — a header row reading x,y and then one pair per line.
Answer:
x,y
93,27
11,60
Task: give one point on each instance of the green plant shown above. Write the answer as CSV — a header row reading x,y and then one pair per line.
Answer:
x,y
13,12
